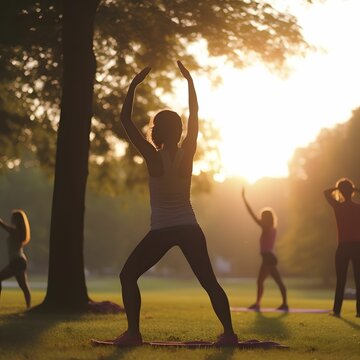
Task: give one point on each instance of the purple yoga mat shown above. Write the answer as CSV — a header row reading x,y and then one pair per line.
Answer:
x,y
291,310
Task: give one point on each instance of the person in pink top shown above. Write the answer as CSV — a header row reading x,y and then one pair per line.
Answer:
x,y
347,215
267,222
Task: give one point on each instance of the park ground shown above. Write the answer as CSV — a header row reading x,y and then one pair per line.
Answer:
x,y
180,310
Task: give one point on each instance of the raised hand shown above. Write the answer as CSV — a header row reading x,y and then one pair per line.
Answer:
x,y
243,192
139,78
184,71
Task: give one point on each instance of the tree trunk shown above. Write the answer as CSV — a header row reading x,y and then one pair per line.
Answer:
x,y
66,281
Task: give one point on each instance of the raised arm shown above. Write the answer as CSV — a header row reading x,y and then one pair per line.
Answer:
x,y
328,193
190,140
249,209
7,227
136,137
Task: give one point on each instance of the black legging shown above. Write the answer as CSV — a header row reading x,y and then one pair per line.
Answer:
x,y
17,268
264,271
345,252
151,249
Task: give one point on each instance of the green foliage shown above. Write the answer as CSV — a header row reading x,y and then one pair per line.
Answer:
x,y
311,237
129,35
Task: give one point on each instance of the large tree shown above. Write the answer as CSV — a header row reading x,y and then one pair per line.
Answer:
x,y
66,282
128,36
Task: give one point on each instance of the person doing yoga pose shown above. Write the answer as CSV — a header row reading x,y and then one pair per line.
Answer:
x,y
267,222
18,237
347,215
173,222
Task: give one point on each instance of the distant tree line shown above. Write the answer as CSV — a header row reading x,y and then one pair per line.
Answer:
x,y
310,240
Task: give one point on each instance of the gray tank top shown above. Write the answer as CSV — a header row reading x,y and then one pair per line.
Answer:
x,y
170,195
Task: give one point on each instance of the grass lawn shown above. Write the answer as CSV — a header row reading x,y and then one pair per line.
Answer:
x,y
180,310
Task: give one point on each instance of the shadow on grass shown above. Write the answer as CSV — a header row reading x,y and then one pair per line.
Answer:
x,y
23,329
218,354
270,327
118,353
221,354
351,323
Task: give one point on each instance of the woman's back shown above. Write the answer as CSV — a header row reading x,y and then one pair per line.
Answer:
x,y
170,194
347,216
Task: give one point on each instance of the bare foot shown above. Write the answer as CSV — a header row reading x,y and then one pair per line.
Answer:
x,y
126,339
283,307
227,340
255,307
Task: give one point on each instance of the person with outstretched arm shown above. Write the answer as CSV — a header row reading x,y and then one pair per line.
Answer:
x,y
18,236
173,223
267,223
347,215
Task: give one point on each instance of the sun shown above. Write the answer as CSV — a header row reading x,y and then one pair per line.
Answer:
x,y
263,118
250,109
253,140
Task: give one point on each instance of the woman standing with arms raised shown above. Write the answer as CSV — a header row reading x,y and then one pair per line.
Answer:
x,y
173,222
347,214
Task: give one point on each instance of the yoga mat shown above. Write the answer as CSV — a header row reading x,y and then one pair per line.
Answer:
x,y
249,344
291,310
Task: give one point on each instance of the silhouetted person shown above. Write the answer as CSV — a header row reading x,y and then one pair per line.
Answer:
x,y
19,236
267,222
347,214
173,222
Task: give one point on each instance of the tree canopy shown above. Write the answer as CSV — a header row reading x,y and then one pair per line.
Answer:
x,y
128,36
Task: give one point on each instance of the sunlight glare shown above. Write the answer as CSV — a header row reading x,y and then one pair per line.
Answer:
x,y
263,118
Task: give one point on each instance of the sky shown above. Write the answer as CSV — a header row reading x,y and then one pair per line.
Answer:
x,y
263,117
